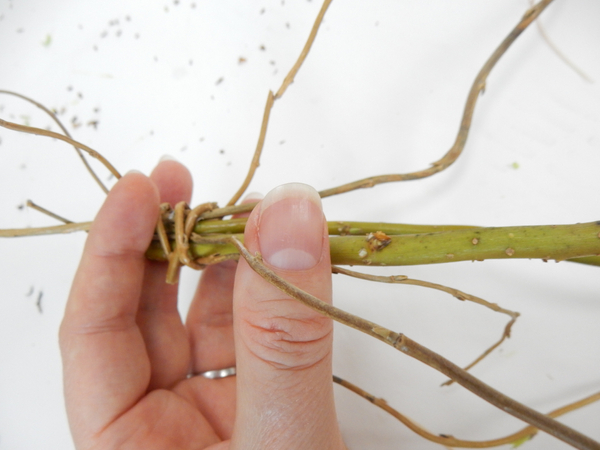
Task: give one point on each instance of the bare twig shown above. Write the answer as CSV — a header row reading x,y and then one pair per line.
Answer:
x,y
41,132
62,127
56,229
465,125
411,348
524,434
289,79
463,296
38,208
560,54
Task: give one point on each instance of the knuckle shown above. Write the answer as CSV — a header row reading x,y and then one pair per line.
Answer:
x,y
289,342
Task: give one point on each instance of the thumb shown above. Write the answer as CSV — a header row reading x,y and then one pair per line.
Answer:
x,y
283,348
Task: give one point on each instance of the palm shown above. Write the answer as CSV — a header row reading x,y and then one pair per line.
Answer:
x,y
196,414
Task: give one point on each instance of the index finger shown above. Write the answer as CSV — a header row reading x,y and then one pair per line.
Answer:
x,y
106,368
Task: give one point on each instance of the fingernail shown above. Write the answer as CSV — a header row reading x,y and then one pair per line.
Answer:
x,y
133,171
252,197
167,158
290,227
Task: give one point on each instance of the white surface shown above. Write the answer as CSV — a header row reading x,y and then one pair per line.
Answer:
x,y
381,92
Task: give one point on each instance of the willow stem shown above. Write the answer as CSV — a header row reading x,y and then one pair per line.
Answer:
x,y
578,242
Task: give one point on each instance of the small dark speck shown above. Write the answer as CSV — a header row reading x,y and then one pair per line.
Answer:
x,y
30,292
201,139
219,81
156,59
39,302
263,48
128,18
113,22
137,35
183,149
20,30
151,132
193,5
96,110
272,62
21,207
281,142
262,11
80,95
222,151
95,48
287,25
176,2
191,62
93,123
104,34
69,88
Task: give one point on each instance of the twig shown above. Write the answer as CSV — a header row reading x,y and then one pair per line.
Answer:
x,y
465,125
39,131
560,54
62,127
411,348
524,434
32,205
289,79
462,296
56,229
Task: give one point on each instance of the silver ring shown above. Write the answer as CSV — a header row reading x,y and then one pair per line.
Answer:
x,y
216,374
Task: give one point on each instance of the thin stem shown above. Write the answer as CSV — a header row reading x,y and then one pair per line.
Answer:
x,y
560,54
40,132
63,128
44,231
465,125
38,208
257,152
524,434
426,356
462,296
289,79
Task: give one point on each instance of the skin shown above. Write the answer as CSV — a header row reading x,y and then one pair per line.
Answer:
x,y
127,353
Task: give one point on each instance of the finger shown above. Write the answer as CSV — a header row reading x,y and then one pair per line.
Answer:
x,y
106,369
158,317
209,319
210,327
283,348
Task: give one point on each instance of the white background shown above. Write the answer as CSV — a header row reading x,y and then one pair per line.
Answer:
x,y
381,92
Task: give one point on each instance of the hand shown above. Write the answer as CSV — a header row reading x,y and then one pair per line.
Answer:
x,y
127,354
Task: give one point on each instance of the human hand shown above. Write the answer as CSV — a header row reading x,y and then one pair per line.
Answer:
x,y
127,354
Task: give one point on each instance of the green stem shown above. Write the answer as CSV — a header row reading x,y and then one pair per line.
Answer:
x,y
423,244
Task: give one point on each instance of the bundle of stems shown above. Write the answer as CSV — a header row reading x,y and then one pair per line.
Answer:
x,y
204,235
